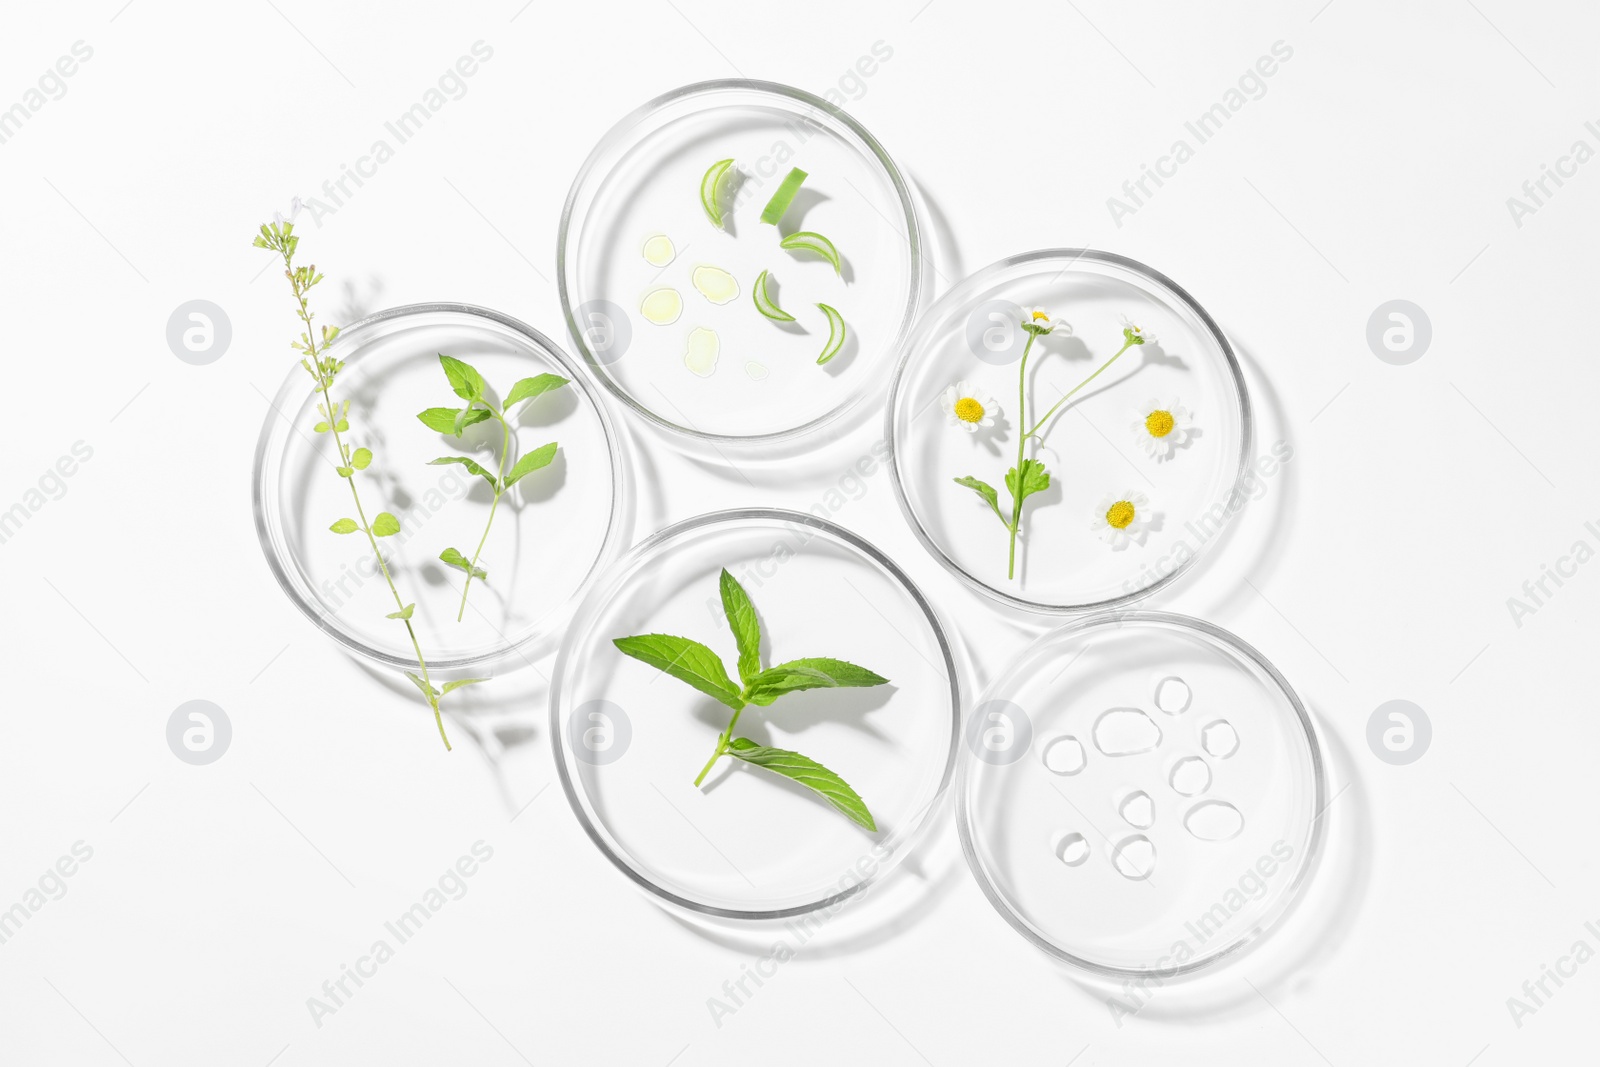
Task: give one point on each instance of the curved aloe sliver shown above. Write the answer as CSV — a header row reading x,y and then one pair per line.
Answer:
x,y
781,199
708,190
835,334
764,302
806,241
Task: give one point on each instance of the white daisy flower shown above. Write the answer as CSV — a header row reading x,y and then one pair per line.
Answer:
x,y
1133,333
1122,518
1039,321
1162,427
968,407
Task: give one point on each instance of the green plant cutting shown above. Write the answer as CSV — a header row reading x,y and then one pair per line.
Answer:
x,y
469,385
696,665
334,419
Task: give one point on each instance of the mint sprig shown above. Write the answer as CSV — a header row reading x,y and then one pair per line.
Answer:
x,y
698,666
469,385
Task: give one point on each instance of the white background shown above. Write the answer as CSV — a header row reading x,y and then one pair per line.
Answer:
x,y
1376,166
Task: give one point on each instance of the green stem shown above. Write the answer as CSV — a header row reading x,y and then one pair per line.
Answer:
x,y
499,480
1022,442
722,747
1054,408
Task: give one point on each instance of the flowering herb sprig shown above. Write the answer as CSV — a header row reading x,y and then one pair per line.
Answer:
x,y
469,385
334,419
1029,476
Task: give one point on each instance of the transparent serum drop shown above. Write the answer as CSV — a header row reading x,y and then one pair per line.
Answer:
x,y
703,349
1138,810
1072,849
756,371
661,306
658,250
1190,776
1064,755
1214,820
1125,732
1219,739
1173,695
1134,857
716,284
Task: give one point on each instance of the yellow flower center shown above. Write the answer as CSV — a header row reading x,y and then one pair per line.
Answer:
x,y
1120,515
1037,315
1159,423
969,410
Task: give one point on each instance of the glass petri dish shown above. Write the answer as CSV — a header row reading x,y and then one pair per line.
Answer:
x,y
553,530
1094,447
1139,794
762,387
748,844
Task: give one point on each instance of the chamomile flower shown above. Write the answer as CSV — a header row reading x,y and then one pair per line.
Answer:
x,y
1134,334
1162,427
968,407
1122,518
1039,321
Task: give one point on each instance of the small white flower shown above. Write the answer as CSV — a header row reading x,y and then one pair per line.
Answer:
x,y
1134,333
968,407
1039,321
1122,518
1162,427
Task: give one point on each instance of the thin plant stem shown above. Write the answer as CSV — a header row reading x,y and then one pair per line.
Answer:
x,y
1022,443
499,481
722,747
1057,405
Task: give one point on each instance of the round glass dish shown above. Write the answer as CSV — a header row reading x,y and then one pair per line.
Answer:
x,y
553,530
1139,794
750,844
763,387
1097,448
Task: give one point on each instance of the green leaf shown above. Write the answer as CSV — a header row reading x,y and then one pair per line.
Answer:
x,y
1034,479
466,382
539,457
362,459
342,426
385,525
462,563
345,472
427,690
344,526
320,427
988,492
471,465
746,627
809,773
538,385
781,199
403,613
800,674
686,660
450,686
444,419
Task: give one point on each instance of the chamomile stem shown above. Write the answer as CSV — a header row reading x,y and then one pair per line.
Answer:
x,y
1054,408
722,747
355,496
1022,443
499,479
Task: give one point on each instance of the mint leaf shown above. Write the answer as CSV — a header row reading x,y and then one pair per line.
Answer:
x,y
538,385
444,419
361,459
686,660
1034,479
466,382
344,526
427,690
460,562
471,465
809,773
403,613
385,525
746,627
539,457
448,686
800,674
987,491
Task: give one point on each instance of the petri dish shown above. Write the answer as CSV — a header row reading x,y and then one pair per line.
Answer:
x,y
630,740
1124,859
634,226
1097,448
552,531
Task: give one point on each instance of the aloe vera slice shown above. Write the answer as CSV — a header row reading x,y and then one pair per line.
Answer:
x,y
708,190
835,334
783,197
764,302
806,241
